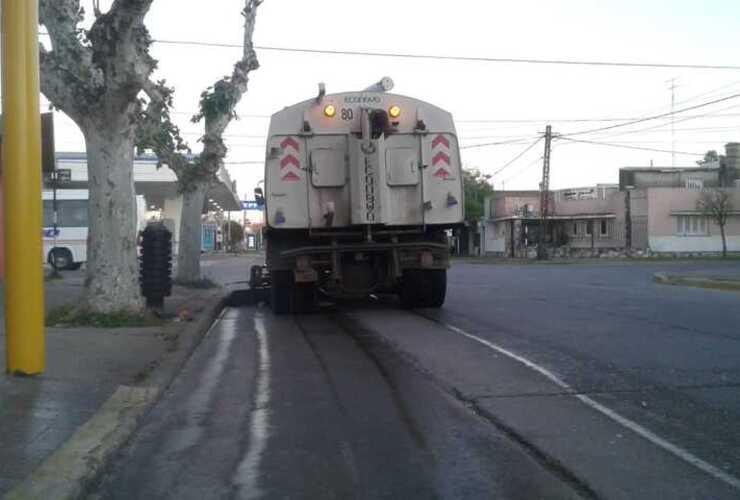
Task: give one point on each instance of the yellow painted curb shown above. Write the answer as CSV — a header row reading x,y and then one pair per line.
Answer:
x,y
64,474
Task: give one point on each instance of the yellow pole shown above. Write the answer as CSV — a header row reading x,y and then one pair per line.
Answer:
x,y
22,206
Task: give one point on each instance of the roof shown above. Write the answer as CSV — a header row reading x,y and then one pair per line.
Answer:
x,y
608,215
500,194
82,156
668,170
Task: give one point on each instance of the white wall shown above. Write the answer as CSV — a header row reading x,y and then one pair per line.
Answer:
x,y
693,243
172,209
495,237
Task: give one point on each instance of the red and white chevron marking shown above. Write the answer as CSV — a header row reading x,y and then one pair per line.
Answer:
x,y
442,145
290,161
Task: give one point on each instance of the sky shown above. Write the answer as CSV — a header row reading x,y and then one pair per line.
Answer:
x,y
490,101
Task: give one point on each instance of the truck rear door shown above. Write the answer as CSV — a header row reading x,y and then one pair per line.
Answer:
x,y
328,189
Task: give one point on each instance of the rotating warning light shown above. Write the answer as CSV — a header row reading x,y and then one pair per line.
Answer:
x,y
394,111
330,110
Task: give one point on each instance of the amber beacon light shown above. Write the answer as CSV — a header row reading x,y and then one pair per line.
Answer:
x,y
394,111
330,110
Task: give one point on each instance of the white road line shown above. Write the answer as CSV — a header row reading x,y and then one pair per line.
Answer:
x,y
677,451
247,473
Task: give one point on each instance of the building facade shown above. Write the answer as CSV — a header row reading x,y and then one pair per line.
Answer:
x,y
158,186
650,211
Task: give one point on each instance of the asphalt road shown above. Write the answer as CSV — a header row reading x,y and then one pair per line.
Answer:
x,y
538,381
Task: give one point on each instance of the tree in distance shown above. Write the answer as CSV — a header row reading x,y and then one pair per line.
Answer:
x,y
196,172
716,205
95,76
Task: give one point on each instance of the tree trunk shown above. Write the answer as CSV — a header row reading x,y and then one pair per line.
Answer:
x,y
189,246
112,282
724,240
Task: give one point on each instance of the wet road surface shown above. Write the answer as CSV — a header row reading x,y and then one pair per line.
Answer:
x,y
532,382
312,407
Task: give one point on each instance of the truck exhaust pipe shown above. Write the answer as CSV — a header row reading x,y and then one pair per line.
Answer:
x,y
384,85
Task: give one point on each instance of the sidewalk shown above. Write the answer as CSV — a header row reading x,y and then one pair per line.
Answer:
x,y
86,368
726,279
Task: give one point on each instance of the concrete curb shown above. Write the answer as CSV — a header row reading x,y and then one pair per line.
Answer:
x,y
713,284
81,462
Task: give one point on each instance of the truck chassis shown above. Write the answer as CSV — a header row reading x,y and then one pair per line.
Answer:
x,y
410,262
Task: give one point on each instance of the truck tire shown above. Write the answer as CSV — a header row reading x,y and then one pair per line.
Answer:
x,y
437,287
410,284
423,288
305,298
281,291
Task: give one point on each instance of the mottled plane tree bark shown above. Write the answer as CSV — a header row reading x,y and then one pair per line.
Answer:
x,y
197,172
95,76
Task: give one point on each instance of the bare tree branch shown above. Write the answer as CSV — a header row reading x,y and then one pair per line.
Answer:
x,y
218,104
717,205
68,76
111,59
156,131
120,43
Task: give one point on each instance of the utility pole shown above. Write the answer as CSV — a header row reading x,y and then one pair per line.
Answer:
x,y
228,237
544,196
21,161
673,121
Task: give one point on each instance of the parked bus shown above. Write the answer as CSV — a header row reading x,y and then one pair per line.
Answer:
x,y
66,246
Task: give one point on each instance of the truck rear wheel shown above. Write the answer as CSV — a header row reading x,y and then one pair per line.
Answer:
x,y
287,296
305,298
437,286
281,290
423,288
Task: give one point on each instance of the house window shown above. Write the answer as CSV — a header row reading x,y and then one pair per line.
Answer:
x,y
589,227
575,229
691,225
604,227
694,183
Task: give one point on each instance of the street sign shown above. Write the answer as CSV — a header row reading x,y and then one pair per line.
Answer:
x,y
64,175
48,152
250,205
58,177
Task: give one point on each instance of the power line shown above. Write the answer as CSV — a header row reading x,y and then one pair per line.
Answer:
x,y
240,115
240,136
624,146
486,144
526,150
654,117
577,120
710,92
663,125
536,161
571,62
713,130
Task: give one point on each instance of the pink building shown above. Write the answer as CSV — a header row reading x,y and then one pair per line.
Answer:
x,y
651,211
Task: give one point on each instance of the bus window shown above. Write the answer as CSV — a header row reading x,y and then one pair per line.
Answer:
x,y
72,213
48,213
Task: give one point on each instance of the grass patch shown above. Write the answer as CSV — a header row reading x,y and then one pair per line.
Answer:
x,y
54,276
202,284
70,316
728,285
591,260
